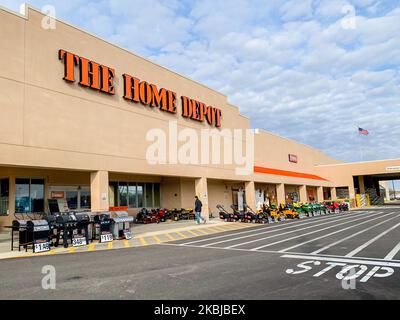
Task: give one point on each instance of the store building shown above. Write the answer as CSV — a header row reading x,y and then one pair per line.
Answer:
x,y
76,112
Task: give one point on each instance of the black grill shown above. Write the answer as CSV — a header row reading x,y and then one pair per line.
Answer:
x,y
19,227
31,234
101,225
38,232
83,222
66,224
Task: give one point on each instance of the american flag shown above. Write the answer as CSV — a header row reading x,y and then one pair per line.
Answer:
x,y
363,131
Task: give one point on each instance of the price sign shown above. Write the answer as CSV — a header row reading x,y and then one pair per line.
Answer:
x,y
127,235
42,247
79,242
107,237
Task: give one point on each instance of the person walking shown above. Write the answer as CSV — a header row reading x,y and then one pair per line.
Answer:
x,y
197,209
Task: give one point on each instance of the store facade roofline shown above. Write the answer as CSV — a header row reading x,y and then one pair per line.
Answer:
x,y
25,14
356,162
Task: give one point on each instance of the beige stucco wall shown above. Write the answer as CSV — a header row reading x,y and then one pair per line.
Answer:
x,y
88,130
51,123
343,173
187,193
273,152
66,132
220,193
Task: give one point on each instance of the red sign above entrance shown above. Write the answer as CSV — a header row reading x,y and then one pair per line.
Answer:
x,y
293,158
57,195
98,77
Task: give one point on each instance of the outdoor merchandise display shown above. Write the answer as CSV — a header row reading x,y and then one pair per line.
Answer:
x,y
32,234
102,227
121,225
62,226
147,216
225,215
272,213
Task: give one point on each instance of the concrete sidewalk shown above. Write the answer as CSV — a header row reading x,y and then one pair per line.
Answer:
x,y
143,235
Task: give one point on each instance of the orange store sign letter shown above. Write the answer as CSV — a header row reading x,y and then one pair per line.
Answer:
x,y
92,74
148,94
98,77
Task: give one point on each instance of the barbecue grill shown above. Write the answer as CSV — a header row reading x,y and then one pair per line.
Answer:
x,y
37,233
101,227
66,225
121,225
83,221
19,226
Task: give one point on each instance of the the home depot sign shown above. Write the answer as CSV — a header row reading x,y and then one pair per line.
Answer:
x,y
98,77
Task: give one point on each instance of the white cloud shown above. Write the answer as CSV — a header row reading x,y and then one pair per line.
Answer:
x,y
289,65
296,9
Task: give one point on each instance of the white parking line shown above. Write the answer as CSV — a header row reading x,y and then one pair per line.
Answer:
x,y
301,235
335,232
344,260
362,247
351,236
281,226
298,255
393,252
296,230
269,231
279,234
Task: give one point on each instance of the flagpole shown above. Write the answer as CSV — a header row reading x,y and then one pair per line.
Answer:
x,y
360,143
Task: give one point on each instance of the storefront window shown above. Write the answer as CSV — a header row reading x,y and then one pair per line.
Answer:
x,y
235,197
140,192
37,195
85,199
22,203
123,194
4,194
149,195
29,195
157,195
72,199
77,197
135,195
132,195
327,194
342,193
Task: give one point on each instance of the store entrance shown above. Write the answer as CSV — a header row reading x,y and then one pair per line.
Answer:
x,y
265,195
377,190
292,194
77,197
239,198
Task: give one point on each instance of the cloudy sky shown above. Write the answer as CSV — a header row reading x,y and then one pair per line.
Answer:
x,y
310,70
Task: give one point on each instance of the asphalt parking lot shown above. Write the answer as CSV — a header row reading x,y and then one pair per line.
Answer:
x,y
343,256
